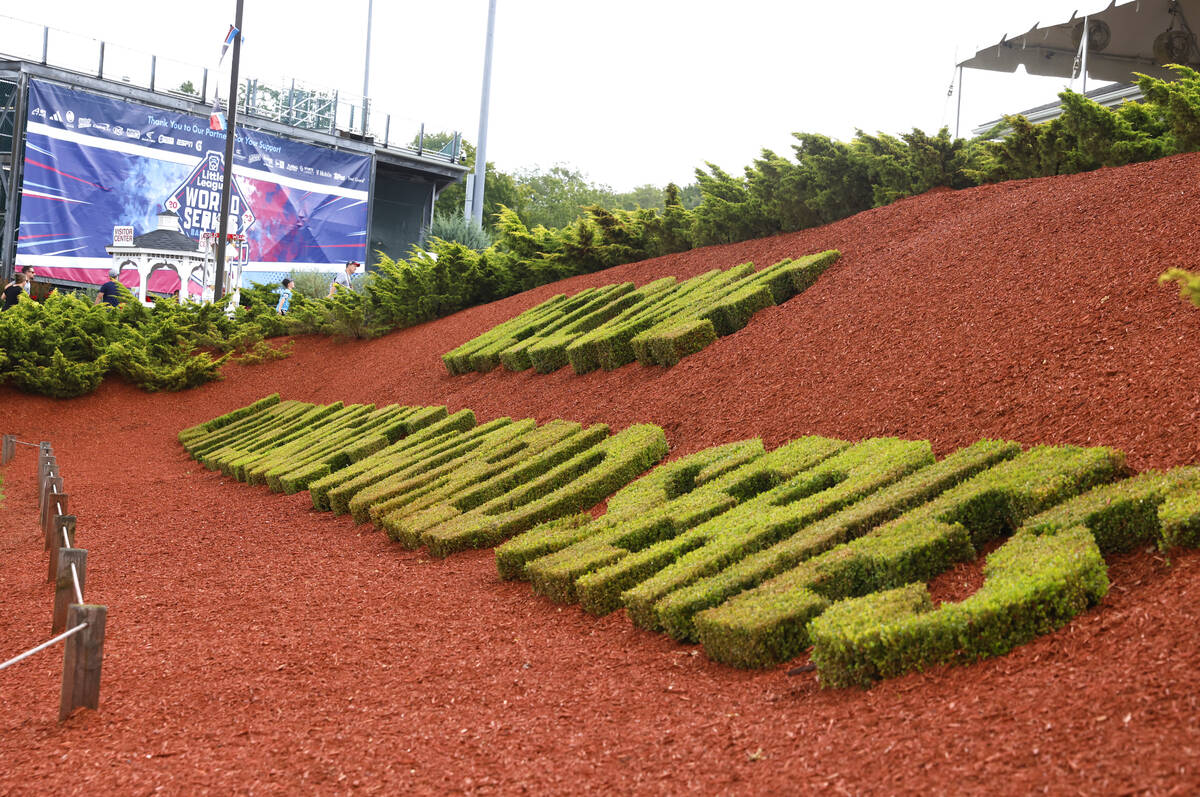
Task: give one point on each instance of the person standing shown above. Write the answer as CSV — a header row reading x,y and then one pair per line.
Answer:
x,y
12,293
343,281
285,297
28,272
109,291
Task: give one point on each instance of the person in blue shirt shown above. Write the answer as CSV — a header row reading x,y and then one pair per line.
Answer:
x,y
109,293
285,297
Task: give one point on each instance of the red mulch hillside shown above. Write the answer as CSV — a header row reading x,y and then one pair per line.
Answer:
x,y
257,646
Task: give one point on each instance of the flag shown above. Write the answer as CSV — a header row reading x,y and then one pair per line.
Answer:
x,y
216,120
229,37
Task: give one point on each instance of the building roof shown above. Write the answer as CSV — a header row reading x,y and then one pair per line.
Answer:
x,y
1110,96
168,240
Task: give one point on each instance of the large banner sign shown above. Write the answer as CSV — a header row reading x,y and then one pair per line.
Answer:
x,y
93,163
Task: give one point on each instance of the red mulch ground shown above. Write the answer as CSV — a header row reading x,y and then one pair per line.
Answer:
x,y
256,646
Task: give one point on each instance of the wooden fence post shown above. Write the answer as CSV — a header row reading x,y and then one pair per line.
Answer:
x,y
64,587
47,469
53,497
60,522
10,448
82,659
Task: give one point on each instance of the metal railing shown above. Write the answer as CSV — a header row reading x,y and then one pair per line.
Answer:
x,y
83,653
287,101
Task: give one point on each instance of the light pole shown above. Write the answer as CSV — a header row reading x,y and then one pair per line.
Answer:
x,y
481,148
367,66
227,172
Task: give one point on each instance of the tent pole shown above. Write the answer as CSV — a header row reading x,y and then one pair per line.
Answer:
x,y
1083,69
958,113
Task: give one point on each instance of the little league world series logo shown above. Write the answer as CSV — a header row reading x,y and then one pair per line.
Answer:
x,y
197,200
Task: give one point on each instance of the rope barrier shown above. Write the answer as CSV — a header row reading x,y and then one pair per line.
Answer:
x,y
75,578
43,646
74,572
82,657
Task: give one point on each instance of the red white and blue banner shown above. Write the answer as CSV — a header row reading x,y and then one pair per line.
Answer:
x,y
94,163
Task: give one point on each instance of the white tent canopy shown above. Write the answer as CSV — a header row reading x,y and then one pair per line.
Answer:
x,y
1135,36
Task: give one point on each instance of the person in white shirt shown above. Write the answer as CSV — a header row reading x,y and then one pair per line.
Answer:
x,y
343,280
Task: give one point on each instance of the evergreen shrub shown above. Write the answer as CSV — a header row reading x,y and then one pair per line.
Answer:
x,y
658,324
767,624
755,554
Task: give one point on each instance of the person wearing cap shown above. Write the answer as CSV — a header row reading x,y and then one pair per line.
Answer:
x,y
342,281
285,297
109,292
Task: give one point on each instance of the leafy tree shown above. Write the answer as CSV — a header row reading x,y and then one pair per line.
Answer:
x,y
556,197
643,196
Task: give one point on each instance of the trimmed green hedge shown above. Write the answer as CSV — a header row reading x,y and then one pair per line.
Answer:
x,y
200,430
425,477
768,624
421,461
658,324
439,433
569,488
755,554
600,591
667,500
678,608
486,476
1051,570
289,445
839,482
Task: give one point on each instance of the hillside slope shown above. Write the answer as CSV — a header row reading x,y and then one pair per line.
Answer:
x,y
1027,310
255,645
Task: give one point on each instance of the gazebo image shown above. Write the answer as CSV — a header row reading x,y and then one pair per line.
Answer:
x,y
167,248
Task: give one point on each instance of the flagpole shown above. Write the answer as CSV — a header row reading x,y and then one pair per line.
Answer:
x,y
227,173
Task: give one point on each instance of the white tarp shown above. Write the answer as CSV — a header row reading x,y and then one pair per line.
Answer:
x,y
1136,36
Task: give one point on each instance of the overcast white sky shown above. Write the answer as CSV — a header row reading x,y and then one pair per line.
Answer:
x,y
627,91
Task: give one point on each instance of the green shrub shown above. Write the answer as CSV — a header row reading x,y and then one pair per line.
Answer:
x,y
64,347
569,488
482,476
675,534
677,609
767,624
658,324
333,492
456,228
840,481
1189,283
233,416
665,501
